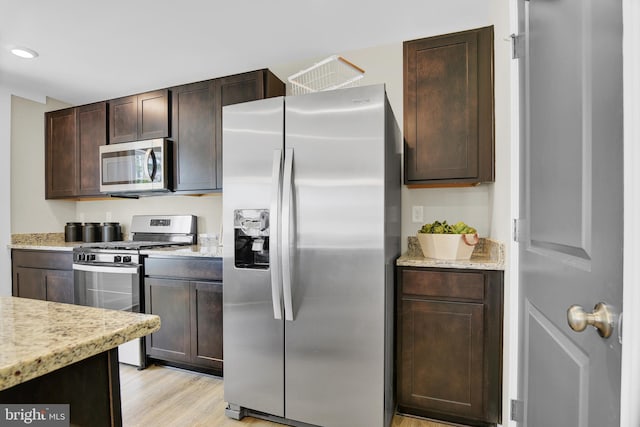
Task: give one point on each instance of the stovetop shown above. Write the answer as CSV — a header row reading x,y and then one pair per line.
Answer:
x,y
147,231
130,245
121,253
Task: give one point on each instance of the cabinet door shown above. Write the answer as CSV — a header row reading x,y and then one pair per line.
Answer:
x,y
233,90
206,324
123,119
92,133
448,108
29,283
60,153
442,357
59,286
194,132
170,300
153,114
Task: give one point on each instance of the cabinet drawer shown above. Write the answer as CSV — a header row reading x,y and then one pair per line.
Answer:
x,y
185,268
51,260
437,284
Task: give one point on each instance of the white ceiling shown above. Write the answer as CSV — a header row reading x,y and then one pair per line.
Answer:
x,y
98,50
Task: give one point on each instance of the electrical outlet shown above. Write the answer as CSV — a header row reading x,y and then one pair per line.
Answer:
x,y
417,214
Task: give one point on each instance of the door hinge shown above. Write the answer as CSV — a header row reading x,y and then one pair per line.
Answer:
x,y
517,46
517,410
516,230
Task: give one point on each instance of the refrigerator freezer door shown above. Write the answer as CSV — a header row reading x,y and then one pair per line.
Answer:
x,y
253,338
334,348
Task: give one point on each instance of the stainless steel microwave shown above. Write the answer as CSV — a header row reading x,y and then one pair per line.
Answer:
x,y
136,167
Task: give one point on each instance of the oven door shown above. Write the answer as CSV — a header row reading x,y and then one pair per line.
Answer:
x,y
108,286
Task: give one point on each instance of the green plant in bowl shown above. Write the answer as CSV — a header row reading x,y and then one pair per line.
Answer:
x,y
438,227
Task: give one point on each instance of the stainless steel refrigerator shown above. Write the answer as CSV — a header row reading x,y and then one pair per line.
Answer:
x,y
311,214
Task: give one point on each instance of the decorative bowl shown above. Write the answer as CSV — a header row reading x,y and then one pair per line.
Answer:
x,y
447,246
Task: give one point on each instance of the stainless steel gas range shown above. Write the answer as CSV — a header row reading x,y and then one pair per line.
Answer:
x,y
111,274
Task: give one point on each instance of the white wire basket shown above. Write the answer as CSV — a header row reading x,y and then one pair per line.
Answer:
x,y
334,72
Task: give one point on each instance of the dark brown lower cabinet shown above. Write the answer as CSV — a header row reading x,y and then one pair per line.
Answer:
x,y
206,324
187,295
449,344
44,275
170,300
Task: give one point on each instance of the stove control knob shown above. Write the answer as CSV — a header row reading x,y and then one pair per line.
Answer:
x,y
80,257
117,258
126,259
91,257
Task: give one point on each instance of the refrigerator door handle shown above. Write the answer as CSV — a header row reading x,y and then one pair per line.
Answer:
x,y
287,193
275,241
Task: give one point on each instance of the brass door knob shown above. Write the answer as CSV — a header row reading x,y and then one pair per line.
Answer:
x,y
601,318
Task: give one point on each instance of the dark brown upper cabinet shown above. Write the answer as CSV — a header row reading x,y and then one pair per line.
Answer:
x,y
194,132
72,138
60,153
449,109
138,117
92,133
197,124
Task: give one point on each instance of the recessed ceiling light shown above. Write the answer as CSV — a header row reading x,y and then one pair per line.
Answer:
x,y
24,52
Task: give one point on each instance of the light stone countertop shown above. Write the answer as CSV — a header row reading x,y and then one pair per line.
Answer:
x,y
42,241
55,242
487,255
187,251
39,337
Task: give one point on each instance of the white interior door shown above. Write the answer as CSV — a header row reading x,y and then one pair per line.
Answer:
x,y
571,210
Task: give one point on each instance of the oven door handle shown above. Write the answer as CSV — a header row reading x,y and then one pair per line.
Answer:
x,y
106,269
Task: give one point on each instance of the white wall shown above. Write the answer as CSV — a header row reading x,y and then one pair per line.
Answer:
x,y
30,212
7,130
501,214
207,208
5,191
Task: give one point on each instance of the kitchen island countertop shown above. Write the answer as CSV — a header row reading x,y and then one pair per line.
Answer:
x,y
39,337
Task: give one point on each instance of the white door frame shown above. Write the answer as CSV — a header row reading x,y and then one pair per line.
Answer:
x,y
630,381
630,393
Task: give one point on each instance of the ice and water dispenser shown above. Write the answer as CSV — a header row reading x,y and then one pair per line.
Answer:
x,y
251,238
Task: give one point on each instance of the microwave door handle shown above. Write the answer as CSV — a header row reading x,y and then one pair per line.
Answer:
x,y
274,238
150,155
287,197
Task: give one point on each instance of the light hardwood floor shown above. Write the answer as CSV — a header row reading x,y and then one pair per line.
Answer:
x,y
161,396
